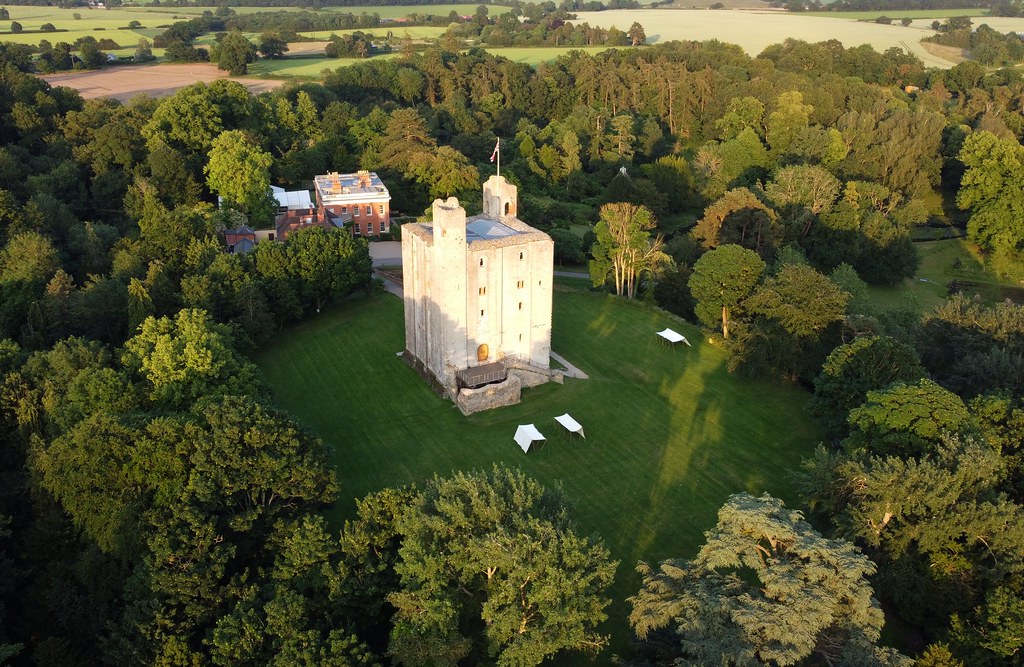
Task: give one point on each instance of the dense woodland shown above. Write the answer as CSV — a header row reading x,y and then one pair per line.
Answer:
x,y
155,508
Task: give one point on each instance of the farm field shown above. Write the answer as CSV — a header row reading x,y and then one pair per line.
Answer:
x,y
670,433
385,12
399,31
901,13
755,30
311,67
302,67
107,23
124,83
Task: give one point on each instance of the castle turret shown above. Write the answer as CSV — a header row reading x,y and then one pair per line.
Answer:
x,y
500,198
449,286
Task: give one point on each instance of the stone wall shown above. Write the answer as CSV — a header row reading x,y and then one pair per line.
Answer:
x,y
530,376
490,396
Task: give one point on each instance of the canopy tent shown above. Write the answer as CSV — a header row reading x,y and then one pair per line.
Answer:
x,y
526,435
570,424
674,337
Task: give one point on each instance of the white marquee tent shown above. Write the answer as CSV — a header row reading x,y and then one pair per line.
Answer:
x,y
674,337
526,435
570,424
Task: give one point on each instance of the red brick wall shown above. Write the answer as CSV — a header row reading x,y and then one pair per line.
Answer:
x,y
361,221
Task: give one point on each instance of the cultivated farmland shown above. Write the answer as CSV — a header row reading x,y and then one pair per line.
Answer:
x,y
123,83
754,30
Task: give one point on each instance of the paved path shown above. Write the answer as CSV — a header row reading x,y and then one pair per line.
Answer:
x,y
572,274
391,286
570,370
386,253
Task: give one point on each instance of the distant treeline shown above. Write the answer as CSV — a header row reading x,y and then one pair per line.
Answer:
x,y
883,5
987,46
553,29
1007,8
294,22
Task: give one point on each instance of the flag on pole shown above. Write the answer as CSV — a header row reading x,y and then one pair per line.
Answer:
x,y
497,145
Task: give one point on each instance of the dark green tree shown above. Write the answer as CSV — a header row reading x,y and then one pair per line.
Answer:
x,y
186,358
852,370
327,263
722,278
485,567
937,524
988,189
234,53
765,588
907,420
796,316
272,45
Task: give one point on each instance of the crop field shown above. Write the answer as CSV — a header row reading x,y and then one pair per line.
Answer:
x,y
901,13
755,30
123,83
388,12
302,67
397,30
669,433
534,55
108,23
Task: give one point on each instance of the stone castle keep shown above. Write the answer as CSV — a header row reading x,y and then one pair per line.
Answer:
x,y
478,299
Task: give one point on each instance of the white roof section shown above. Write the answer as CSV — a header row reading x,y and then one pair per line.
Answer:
x,y
292,200
482,228
526,435
674,337
570,424
362,186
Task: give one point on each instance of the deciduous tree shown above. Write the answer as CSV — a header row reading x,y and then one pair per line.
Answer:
x,y
328,264
739,217
990,189
722,278
272,45
239,171
491,565
852,370
235,53
187,357
624,249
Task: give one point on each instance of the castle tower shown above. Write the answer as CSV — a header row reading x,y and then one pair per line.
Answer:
x,y
448,289
500,198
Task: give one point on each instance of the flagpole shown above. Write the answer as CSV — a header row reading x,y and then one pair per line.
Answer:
x,y
499,157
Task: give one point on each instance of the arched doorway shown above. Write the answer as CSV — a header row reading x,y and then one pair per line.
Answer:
x,y
508,206
482,353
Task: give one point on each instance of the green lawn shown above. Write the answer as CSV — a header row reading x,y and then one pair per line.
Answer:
x,y
941,262
670,434
305,67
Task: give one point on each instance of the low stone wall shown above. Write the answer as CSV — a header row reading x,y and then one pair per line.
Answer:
x,y
490,396
531,376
